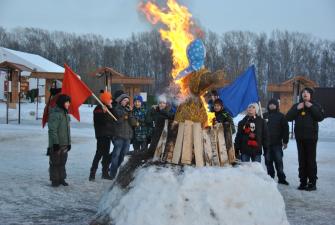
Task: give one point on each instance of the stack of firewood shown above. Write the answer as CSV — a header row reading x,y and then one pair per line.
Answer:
x,y
187,143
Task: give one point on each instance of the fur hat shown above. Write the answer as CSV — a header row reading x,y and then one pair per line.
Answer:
x,y
121,97
106,97
254,105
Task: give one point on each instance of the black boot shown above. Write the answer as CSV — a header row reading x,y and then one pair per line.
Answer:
x,y
55,183
311,187
63,182
92,175
283,182
105,175
302,186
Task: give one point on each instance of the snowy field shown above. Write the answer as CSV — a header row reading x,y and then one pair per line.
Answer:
x,y
28,198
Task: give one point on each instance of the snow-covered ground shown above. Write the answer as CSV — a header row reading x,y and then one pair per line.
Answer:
x,y
26,196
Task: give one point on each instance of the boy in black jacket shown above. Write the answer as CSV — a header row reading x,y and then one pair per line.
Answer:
x,y
222,116
306,115
279,134
103,127
252,135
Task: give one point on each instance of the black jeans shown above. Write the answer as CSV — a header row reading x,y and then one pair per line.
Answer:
x,y
274,155
307,160
103,146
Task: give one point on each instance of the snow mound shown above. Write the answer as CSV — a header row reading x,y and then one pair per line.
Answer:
x,y
208,195
326,128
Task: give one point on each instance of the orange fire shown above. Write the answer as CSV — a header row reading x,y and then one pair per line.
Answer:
x,y
178,22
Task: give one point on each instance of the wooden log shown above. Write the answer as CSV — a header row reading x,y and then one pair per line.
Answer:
x,y
198,145
187,150
229,142
171,140
179,144
214,146
223,156
207,147
161,143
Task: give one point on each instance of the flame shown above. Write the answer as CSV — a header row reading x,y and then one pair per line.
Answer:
x,y
178,22
210,115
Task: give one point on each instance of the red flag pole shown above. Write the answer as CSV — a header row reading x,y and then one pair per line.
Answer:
x,y
98,100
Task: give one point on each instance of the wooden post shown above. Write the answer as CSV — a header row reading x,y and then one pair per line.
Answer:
x,y
229,142
198,145
171,140
207,147
179,144
187,150
214,145
222,145
161,143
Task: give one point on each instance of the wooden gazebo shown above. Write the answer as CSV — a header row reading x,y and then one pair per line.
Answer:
x,y
288,91
132,85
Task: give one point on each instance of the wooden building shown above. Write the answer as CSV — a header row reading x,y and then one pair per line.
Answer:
x,y
288,91
131,85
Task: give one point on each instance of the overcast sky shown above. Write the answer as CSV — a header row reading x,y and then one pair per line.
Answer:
x,y
119,18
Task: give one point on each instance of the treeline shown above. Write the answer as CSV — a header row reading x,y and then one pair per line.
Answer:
x,y
277,57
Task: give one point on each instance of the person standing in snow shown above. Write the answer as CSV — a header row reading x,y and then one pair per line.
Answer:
x,y
157,116
252,135
140,131
222,116
123,132
59,140
306,114
278,139
104,130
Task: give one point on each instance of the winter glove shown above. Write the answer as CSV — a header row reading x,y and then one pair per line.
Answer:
x,y
56,147
68,148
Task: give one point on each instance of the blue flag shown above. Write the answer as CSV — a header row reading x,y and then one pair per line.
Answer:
x,y
238,95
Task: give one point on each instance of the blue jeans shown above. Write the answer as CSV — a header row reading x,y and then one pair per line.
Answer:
x,y
275,155
254,158
121,147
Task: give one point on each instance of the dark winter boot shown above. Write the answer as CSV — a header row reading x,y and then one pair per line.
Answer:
x,y
63,182
54,184
283,182
92,175
105,175
311,187
302,186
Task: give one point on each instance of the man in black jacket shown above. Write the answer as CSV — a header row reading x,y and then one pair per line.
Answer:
x,y
306,115
103,127
252,135
279,134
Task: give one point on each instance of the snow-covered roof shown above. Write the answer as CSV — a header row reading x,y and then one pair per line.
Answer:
x,y
33,61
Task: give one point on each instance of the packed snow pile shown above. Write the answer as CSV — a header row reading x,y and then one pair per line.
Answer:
x,y
326,128
209,195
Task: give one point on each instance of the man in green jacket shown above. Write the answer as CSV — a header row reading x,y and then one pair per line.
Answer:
x,y
59,140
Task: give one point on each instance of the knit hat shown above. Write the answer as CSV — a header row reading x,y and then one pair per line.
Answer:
x,y
274,102
162,98
254,105
121,97
106,97
117,94
138,98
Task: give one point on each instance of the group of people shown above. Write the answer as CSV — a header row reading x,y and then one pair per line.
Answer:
x,y
143,127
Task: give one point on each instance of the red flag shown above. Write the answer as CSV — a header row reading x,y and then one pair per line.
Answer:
x,y
76,89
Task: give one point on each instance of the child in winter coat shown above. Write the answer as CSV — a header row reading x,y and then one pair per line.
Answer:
x,y
104,130
157,117
306,114
252,135
222,116
278,139
59,140
140,131
123,132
